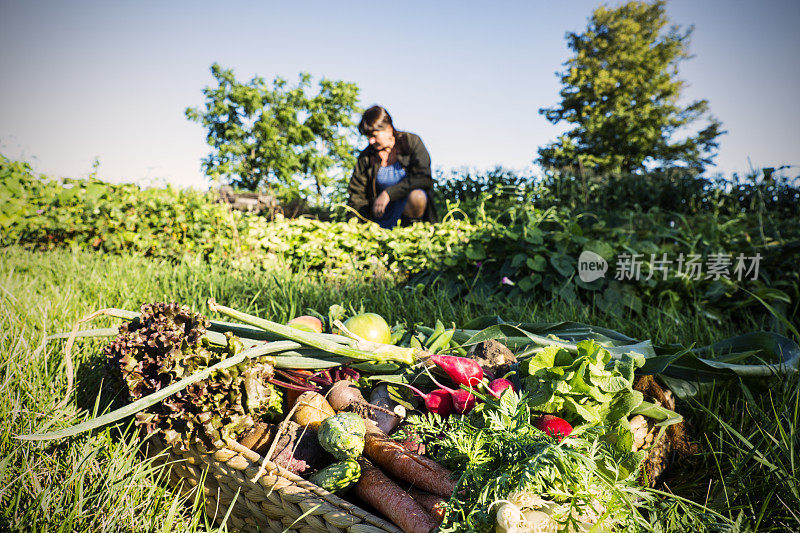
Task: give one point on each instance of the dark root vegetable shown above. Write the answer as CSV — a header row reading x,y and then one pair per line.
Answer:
x,y
393,457
297,450
435,505
382,397
391,500
346,396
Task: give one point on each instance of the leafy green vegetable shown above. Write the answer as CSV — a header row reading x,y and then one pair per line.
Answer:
x,y
587,387
167,343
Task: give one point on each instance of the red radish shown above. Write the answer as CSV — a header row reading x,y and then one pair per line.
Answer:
x,y
437,401
499,385
462,370
463,401
554,426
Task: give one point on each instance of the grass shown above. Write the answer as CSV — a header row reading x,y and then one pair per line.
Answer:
x,y
747,470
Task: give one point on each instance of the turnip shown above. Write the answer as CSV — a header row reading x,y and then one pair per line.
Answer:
x,y
312,409
346,396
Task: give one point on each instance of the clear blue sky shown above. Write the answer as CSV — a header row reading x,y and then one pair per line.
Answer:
x,y
86,79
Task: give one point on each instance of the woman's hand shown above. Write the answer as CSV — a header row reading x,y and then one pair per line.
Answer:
x,y
379,206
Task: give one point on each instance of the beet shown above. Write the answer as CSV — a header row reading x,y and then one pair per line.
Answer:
x,y
297,450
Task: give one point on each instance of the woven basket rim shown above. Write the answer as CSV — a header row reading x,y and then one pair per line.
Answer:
x,y
271,468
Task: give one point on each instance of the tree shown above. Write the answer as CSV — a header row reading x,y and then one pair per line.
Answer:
x,y
279,139
621,91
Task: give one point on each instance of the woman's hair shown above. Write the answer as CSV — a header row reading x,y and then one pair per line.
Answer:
x,y
375,118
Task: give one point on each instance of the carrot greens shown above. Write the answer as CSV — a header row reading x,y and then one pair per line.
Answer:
x,y
503,458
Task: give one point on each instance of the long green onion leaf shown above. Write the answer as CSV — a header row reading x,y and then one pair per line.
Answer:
x,y
381,352
246,332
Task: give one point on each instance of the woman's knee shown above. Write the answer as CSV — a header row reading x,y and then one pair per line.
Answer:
x,y
417,202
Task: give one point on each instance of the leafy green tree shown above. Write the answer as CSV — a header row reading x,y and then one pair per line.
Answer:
x,y
620,92
279,139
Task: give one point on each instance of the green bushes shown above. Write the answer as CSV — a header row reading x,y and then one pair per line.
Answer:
x,y
677,190
45,213
522,251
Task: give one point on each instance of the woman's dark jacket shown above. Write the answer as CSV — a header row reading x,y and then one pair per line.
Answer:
x,y
415,160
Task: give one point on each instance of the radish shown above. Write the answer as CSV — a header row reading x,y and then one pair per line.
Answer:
x,y
463,400
438,401
497,386
462,370
554,426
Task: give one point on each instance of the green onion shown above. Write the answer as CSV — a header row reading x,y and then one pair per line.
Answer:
x,y
368,352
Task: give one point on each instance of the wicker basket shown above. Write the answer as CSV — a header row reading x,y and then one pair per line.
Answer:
x,y
277,500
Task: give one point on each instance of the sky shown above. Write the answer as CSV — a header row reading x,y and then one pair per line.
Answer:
x,y
85,80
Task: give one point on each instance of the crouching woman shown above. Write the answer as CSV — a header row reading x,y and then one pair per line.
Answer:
x,y
392,178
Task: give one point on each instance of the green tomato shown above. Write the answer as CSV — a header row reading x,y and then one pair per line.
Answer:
x,y
371,327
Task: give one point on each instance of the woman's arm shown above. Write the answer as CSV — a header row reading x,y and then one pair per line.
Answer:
x,y
357,189
418,172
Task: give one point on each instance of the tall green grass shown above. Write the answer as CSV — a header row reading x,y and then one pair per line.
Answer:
x,y
99,482
750,461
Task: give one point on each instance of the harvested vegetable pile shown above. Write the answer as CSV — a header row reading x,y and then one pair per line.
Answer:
x,y
514,428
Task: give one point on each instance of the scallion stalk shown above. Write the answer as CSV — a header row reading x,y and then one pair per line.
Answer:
x,y
364,352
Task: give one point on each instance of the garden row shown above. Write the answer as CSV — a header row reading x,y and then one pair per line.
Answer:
x,y
656,258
